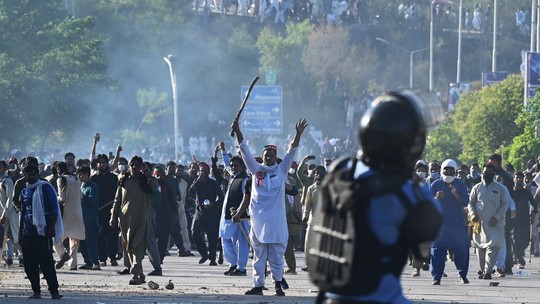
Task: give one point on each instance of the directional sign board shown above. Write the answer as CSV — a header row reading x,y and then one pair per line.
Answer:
x,y
263,126
263,113
263,110
264,93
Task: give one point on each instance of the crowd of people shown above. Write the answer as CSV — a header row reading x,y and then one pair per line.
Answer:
x,y
237,203
493,209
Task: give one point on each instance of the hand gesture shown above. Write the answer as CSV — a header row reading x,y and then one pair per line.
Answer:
x,y
301,125
97,137
222,145
118,149
439,195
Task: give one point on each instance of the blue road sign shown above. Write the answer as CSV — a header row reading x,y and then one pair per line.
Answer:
x,y
262,126
263,93
263,110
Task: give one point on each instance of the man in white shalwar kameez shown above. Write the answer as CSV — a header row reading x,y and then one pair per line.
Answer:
x,y
269,233
487,209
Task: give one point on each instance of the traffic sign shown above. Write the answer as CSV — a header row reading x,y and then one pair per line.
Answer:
x,y
270,77
262,126
263,93
263,110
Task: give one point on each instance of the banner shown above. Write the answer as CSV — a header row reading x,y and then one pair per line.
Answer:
x,y
489,78
533,73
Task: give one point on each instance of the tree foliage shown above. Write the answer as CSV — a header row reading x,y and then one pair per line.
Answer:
x,y
48,63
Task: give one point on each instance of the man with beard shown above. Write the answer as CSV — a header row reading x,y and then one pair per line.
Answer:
x,y
107,183
487,208
208,201
130,207
269,233
40,222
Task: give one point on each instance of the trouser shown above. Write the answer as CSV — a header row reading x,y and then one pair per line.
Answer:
x,y
184,228
235,248
521,241
535,236
508,231
89,246
175,234
73,249
107,242
152,248
487,258
271,252
438,260
290,258
211,229
38,255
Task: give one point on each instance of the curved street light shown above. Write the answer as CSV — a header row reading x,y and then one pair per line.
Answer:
x,y
169,60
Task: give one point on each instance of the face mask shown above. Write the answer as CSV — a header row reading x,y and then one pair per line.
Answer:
x,y
448,178
434,175
421,174
488,177
122,168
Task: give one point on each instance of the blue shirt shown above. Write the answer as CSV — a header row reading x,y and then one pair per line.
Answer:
x,y
50,207
386,214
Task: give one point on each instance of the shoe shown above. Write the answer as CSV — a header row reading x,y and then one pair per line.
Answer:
x,y
255,291
304,269
284,284
56,296
279,291
113,263
155,273
104,263
480,272
425,266
9,262
123,271
203,259
96,267
239,273
21,262
136,281
464,280
508,272
35,296
87,267
499,273
436,282
63,260
444,275
213,263
185,254
231,269
416,273
73,268
521,266
290,271
486,276
220,261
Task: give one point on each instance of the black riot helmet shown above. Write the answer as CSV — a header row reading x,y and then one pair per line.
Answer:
x,y
392,133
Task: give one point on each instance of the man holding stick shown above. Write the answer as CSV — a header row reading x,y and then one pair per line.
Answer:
x,y
269,233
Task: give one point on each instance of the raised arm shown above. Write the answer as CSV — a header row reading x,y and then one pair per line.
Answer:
x,y
300,127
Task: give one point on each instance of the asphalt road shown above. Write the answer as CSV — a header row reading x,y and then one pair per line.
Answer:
x,y
196,283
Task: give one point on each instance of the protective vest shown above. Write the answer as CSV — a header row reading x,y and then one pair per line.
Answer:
x,y
346,257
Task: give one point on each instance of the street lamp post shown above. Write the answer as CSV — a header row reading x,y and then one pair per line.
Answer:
x,y
411,56
169,60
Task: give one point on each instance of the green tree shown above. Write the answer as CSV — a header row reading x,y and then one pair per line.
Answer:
x,y
526,145
49,62
443,142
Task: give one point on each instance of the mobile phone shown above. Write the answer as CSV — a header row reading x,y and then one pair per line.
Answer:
x,y
311,157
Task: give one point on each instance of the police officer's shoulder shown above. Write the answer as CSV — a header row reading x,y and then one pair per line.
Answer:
x,y
341,163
